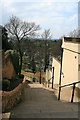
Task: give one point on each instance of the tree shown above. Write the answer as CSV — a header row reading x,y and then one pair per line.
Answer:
x,y
33,65
36,48
6,45
75,33
20,29
46,36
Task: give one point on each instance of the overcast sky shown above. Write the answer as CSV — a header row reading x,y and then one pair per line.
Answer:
x,y
61,16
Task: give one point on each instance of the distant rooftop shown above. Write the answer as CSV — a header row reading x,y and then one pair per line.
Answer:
x,y
58,58
72,39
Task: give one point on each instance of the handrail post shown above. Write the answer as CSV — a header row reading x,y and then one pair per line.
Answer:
x,y
48,83
73,93
52,77
52,82
59,93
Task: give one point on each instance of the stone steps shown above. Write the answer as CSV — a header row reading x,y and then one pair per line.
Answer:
x,y
41,102
47,115
66,93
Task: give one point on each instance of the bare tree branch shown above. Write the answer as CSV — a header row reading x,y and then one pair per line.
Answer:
x,y
75,33
46,34
20,30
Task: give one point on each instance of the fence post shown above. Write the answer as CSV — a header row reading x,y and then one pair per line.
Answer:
x,y
73,93
59,93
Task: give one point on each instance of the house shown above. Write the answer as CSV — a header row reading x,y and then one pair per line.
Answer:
x,y
49,74
67,70
56,70
49,70
70,68
69,65
53,70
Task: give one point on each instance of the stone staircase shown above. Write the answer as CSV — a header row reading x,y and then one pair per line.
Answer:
x,y
66,93
41,102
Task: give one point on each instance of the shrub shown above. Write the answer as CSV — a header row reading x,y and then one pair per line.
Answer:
x,y
15,60
5,84
14,78
28,70
21,76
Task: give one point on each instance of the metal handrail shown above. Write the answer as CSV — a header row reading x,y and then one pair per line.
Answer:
x,y
52,81
66,86
70,84
74,83
50,78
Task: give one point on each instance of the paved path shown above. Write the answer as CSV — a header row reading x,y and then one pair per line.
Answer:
x,y
42,103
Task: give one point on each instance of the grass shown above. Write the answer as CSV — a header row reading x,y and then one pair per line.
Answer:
x,y
37,75
37,78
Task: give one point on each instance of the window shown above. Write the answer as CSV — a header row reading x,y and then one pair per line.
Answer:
x,y
75,57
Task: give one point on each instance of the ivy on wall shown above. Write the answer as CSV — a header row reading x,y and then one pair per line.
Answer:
x,y
15,60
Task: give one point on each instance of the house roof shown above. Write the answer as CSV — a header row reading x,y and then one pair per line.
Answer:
x,y
57,58
72,39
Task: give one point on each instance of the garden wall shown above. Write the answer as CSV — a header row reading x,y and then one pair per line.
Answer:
x,y
11,98
7,66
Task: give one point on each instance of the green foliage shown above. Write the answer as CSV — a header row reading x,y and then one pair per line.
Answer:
x,y
28,70
10,84
37,51
15,81
15,60
21,76
33,65
43,80
6,45
37,69
5,84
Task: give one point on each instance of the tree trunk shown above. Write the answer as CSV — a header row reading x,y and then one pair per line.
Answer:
x,y
19,47
20,67
45,59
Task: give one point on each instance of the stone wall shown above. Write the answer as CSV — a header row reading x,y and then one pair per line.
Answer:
x,y
11,98
7,66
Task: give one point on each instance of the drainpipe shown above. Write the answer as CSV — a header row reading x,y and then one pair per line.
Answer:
x,y
61,67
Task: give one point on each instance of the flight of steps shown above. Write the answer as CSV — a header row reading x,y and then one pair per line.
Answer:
x,y
41,102
66,93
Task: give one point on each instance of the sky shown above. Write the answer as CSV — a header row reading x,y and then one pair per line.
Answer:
x,y
60,16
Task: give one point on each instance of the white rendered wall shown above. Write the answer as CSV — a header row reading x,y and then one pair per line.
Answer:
x,y
56,64
70,63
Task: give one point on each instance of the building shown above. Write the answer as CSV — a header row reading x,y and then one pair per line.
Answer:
x,y
70,71
49,75
69,65
56,70
53,70
66,70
